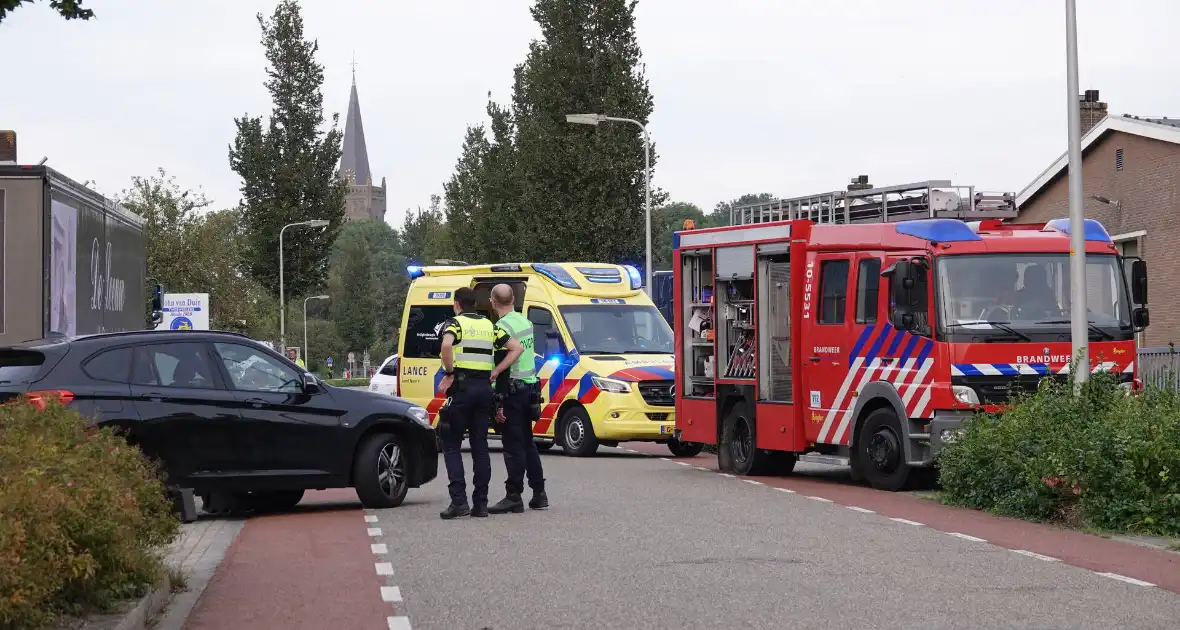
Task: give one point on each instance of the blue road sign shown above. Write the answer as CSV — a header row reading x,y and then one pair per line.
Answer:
x,y
329,361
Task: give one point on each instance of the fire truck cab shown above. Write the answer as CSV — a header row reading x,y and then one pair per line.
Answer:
x,y
862,327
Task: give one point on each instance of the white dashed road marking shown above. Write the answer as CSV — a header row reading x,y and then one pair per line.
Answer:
x,y
379,549
374,531
1031,554
369,518
398,623
384,568
1128,580
391,594
405,624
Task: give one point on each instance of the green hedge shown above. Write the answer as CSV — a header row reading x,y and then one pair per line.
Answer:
x,y
83,517
1101,459
348,382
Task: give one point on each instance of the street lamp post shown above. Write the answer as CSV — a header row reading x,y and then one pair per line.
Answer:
x,y
1079,328
314,223
305,300
594,119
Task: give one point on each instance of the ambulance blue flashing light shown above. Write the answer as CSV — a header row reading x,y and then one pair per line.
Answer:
x,y
1092,230
939,230
414,271
556,274
636,277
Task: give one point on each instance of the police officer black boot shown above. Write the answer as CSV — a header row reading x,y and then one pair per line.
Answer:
x,y
540,500
454,511
510,503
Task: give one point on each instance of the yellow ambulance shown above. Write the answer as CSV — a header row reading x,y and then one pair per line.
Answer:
x,y
604,351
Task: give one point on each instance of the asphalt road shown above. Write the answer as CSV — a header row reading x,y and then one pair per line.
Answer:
x,y
633,541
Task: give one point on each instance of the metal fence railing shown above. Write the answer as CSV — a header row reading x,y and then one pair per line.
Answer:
x,y
1160,367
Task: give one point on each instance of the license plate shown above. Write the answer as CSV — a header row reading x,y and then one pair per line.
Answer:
x,y
666,430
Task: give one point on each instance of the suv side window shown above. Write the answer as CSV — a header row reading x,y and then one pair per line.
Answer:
x,y
390,367
113,365
173,365
251,369
422,329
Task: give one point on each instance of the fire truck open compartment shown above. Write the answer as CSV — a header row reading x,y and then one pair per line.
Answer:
x,y
699,357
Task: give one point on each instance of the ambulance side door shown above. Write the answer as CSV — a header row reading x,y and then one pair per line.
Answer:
x,y
828,369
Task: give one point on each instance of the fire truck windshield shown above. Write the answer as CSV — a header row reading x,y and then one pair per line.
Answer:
x,y
618,329
1026,294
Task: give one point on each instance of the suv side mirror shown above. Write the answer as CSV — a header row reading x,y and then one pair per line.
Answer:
x,y
311,384
1138,281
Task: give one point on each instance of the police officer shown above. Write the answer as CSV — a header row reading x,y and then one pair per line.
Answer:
x,y
295,358
519,396
469,343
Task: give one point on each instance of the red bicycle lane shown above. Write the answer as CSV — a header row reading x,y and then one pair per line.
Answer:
x,y
1079,549
309,569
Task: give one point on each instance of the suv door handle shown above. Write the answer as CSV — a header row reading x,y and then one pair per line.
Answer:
x,y
154,396
256,402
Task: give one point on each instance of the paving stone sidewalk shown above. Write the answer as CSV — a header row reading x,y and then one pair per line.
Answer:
x,y
197,552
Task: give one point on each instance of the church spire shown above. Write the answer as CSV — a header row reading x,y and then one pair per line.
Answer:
x,y
354,160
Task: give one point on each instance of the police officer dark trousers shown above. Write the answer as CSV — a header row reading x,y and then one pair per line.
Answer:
x,y
519,396
469,343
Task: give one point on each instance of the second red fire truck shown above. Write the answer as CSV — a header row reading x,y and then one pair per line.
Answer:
x,y
861,327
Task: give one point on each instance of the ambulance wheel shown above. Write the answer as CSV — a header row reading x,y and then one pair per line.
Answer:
x,y
744,455
881,451
577,433
684,449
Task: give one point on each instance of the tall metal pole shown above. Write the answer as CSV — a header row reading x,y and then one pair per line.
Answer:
x,y
647,201
282,298
305,330
1079,321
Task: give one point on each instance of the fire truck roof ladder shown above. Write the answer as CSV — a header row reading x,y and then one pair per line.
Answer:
x,y
888,204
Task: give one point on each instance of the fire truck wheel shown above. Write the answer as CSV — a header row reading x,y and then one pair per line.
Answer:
x,y
577,433
882,452
684,449
746,458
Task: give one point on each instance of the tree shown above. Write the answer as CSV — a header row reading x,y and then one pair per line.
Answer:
x,y
68,9
288,169
386,283
545,190
190,250
721,212
426,236
669,219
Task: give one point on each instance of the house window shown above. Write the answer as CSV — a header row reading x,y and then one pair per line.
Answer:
x,y
1118,159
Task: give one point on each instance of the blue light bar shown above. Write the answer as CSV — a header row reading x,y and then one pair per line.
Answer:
x,y
1092,230
414,271
556,274
636,277
939,230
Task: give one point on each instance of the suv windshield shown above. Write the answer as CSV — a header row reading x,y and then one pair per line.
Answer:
x,y
617,329
1017,294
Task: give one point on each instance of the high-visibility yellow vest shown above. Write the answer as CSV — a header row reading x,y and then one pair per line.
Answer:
x,y
476,347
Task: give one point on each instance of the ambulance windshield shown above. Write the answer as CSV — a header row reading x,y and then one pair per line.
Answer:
x,y
618,329
1028,292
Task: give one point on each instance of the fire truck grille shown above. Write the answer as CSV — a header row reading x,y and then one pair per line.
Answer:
x,y
657,393
998,390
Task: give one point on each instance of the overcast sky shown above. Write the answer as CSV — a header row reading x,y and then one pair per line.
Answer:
x,y
782,96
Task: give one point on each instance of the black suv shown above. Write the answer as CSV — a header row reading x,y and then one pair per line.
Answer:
x,y
231,419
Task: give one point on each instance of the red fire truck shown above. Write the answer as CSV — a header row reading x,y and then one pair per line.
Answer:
x,y
861,327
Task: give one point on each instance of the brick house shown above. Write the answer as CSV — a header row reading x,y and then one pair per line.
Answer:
x,y
1132,186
